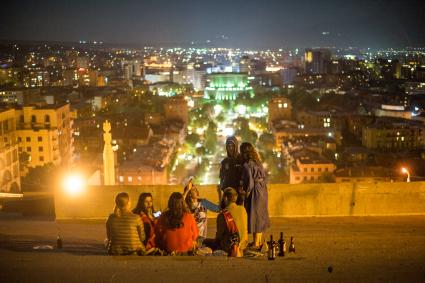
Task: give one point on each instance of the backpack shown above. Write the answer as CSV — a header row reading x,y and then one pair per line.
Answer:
x,y
234,238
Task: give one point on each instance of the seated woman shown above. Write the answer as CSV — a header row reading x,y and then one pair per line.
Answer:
x,y
124,230
145,210
176,231
199,207
230,237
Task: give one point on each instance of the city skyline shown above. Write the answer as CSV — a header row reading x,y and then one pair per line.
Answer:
x,y
242,24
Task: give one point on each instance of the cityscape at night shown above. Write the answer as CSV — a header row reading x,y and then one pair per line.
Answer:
x,y
303,123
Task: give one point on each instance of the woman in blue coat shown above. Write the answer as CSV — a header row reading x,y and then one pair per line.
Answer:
x,y
255,186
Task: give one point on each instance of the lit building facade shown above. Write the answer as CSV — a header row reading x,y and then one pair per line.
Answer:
x,y
396,136
227,86
309,170
45,135
9,159
280,108
11,96
87,77
317,61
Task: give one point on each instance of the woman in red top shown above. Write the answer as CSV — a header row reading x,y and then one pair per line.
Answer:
x,y
144,209
176,230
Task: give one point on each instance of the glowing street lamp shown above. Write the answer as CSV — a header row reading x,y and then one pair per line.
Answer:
x,y
405,171
74,184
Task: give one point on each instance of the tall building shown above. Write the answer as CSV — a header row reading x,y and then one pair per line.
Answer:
x,y
44,135
35,77
131,68
317,61
9,159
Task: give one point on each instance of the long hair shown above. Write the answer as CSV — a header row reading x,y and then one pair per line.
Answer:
x,y
140,207
121,202
188,199
176,209
248,152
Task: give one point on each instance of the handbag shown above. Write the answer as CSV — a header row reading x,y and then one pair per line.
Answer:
x,y
234,238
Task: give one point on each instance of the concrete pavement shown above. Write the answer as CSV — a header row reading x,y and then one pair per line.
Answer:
x,y
358,249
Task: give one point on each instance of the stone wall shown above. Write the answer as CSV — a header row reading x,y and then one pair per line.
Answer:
x,y
343,199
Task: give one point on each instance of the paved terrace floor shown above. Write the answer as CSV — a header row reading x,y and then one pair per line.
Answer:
x,y
367,249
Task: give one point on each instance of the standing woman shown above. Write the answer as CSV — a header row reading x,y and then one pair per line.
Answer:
x,y
145,210
255,186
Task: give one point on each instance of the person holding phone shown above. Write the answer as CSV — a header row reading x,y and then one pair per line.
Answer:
x,y
149,217
176,231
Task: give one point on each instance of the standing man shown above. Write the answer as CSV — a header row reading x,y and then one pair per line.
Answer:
x,y
231,169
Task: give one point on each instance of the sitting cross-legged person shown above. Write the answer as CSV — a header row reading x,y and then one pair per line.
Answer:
x,y
176,231
124,229
145,210
199,208
232,231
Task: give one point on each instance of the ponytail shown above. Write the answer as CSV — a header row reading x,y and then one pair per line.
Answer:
x,y
121,202
117,211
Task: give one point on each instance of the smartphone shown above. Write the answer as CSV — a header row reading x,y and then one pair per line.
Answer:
x,y
157,214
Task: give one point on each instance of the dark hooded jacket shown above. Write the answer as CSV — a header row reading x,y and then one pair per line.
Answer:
x,y
231,167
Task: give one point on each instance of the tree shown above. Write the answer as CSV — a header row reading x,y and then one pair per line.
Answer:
x,y
266,142
40,178
180,171
211,137
246,134
193,139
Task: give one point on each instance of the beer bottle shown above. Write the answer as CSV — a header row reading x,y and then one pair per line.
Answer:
x,y
59,242
272,249
292,246
282,245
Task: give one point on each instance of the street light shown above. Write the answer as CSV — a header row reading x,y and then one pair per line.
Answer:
x,y
74,184
405,171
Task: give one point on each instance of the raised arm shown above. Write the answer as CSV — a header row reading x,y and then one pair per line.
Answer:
x,y
210,205
187,189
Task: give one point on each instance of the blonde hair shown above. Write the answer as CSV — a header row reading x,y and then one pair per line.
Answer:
x,y
121,203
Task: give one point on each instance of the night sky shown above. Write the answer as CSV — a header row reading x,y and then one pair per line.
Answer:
x,y
232,23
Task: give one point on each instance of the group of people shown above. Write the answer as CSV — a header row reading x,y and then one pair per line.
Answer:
x,y
182,227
